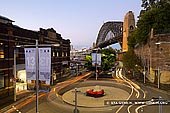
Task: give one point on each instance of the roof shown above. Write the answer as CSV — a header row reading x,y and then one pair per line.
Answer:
x,y
5,18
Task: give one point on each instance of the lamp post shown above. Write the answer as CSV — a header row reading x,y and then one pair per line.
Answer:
x,y
159,43
96,65
144,73
14,80
37,66
75,94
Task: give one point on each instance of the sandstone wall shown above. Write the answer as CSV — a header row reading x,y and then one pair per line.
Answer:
x,y
155,56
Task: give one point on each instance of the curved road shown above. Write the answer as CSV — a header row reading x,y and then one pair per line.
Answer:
x,y
53,102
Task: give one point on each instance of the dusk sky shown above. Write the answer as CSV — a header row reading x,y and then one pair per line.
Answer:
x,y
77,20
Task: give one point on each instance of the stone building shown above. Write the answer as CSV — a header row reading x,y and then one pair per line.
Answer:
x,y
13,35
128,27
155,57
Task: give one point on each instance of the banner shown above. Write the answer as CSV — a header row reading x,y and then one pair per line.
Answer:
x,y
96,59
30,63
45,64
44,68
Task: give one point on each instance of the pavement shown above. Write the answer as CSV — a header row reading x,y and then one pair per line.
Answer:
x,y
88,101
22,95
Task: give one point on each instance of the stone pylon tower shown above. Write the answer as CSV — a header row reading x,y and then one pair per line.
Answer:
x,y
128,27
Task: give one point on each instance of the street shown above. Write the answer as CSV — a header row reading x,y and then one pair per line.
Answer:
x,y
118,88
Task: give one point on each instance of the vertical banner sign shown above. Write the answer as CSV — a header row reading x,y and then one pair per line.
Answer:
x,y
93,59
30,66
96,59
45,67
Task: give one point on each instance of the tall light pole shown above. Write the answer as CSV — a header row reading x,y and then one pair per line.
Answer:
x,y
37,65
37,76
14,80
159,43
96,65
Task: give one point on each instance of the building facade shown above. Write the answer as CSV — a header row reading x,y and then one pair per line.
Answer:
x,y
128,27
155,57
11,36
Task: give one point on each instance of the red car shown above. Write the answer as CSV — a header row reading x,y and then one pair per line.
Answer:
x,y
95,93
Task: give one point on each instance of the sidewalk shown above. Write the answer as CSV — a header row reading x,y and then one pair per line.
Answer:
x,y
24,94
20,96
163,88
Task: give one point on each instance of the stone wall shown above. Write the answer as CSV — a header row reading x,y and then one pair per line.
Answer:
x,y
155,56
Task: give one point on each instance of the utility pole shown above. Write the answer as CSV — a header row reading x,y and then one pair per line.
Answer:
x,y
75,109
144,73
96,65
37,78
160,104
14,80
37,65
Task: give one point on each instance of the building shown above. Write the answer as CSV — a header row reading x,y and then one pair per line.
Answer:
x,y
11,36
155,55
128,27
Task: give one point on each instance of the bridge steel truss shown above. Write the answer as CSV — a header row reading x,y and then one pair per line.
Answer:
x,y
116,28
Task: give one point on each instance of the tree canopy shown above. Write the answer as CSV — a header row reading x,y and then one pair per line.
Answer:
x,y
108,57
156,15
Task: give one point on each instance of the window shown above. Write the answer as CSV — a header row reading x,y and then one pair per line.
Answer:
x,y
57,54
1,79
1,51
53,54
131,27
62,54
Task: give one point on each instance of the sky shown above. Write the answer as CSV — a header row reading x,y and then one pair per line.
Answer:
x,y
77,20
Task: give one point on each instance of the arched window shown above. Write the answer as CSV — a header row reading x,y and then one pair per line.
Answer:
x,y
131,27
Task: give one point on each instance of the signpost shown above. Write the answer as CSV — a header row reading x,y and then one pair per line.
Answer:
x,y
32,58
96,60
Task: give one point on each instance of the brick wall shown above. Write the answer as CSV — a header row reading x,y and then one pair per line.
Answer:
x,y
156,56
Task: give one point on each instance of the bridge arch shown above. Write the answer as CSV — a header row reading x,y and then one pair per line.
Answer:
x,y
113,27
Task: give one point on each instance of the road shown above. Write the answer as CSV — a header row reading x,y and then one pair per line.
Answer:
x,y
53,102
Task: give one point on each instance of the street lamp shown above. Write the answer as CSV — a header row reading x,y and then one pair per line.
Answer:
x,y
96,59
159,43
37,66
14,79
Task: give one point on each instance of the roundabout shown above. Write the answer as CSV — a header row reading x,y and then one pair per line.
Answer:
x,y
111,92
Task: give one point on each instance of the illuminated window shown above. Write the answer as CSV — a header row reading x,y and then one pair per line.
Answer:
x,y
62,54
57,54
53,54
1,52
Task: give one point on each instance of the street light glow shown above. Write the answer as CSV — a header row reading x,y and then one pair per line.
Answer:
x,y
158,43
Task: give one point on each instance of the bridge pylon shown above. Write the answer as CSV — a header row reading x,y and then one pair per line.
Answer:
x,y
128,27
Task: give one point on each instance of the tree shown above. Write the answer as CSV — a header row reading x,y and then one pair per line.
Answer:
x,y
150,4
88,62
108,57
156,17
131,62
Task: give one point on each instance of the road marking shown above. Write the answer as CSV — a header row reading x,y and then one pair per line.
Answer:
x,y
136,110
128,97
129,108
